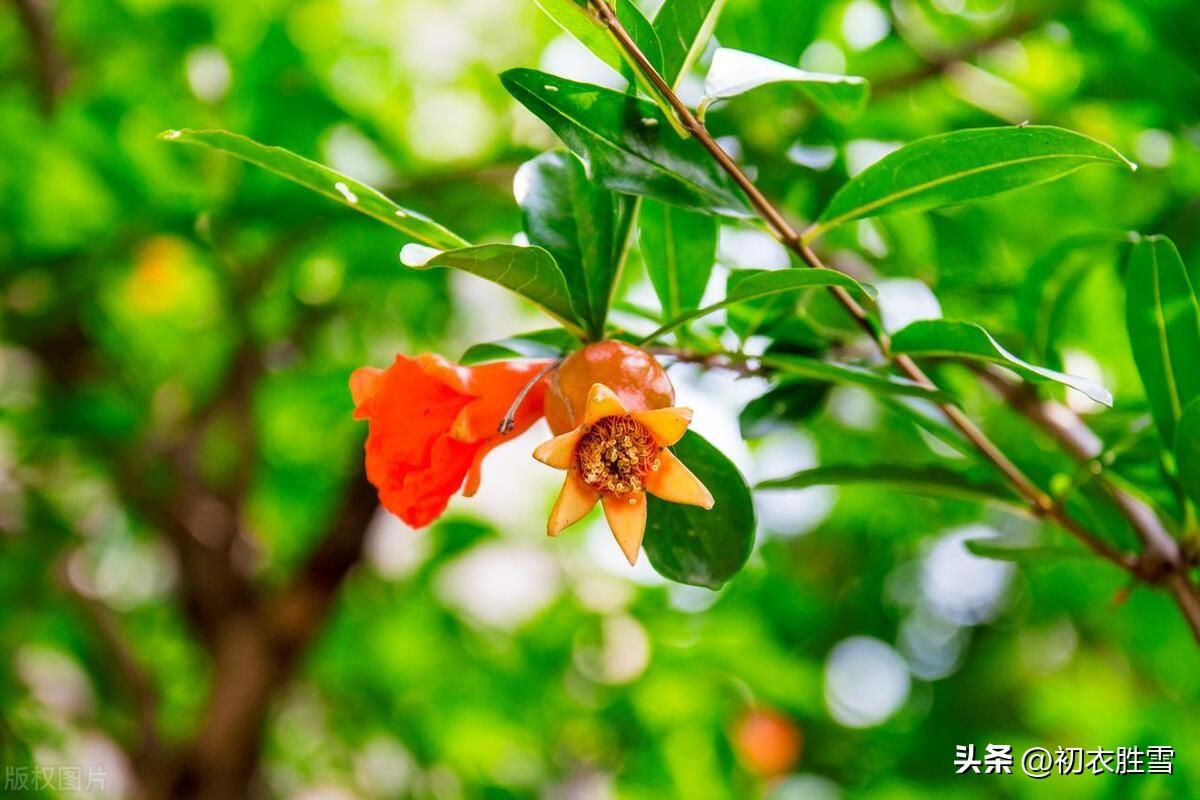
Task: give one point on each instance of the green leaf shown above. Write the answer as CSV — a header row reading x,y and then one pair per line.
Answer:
x,y
1052,280
679,248
782,406
1187,451
626,144
927,480
321,179
966,340
576,221
734,72
683,28
690,545
849,374
763,283
527,271
1162,314
993,547
546,343
953,168
578,19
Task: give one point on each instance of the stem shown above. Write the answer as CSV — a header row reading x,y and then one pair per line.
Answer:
x,y
509,421
1040,503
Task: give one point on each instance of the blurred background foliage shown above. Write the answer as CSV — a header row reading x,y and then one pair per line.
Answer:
x,y
159,302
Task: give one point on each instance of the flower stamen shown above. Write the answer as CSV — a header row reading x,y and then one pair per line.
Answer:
x,y
616,454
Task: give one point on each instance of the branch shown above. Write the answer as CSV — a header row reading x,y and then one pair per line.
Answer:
x,y
938,66
1040,503
1161,559
51,65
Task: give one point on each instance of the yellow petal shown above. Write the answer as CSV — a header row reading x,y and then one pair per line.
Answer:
x,y
574,501
602,402
626,515
667,425
559,452
674,482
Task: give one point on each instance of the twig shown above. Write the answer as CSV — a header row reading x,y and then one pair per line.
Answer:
x,y
1041,504
509,420
939,65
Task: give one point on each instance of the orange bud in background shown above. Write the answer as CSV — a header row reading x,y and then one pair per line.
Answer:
x,y
766,742
431,424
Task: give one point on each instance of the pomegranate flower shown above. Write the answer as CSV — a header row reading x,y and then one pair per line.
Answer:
x,y
615,456
431,424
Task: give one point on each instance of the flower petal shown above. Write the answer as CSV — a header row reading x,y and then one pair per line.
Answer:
x,y
667,425
559,452
675,483
365,383
602,402
626,515
574,501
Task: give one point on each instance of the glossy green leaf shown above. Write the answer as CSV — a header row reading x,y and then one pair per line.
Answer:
x,y
578,18
321,179
679,248
763,283
684,28
1162,313
782,406
577,222
734,72
1187,451
690,545
626,144
546,343
849,374
956,167
927,480
966,340
528,271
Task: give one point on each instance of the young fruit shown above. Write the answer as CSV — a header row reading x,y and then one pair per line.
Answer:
x,y
632,374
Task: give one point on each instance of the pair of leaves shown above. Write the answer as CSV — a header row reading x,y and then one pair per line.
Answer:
x,y
580,224
626,143
529,271
966,340
734,72
1162,313
690,545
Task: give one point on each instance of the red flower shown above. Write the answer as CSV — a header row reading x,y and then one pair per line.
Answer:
x,y
431,424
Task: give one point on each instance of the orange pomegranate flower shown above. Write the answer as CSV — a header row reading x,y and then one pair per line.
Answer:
x,y
615,456
431,424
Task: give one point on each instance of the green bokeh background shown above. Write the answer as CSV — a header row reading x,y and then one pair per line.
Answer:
x,y
478,658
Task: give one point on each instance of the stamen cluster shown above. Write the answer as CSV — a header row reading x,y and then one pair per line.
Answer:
x,y
616,454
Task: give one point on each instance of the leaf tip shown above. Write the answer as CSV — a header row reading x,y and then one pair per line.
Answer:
x,y
171,135
418,256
